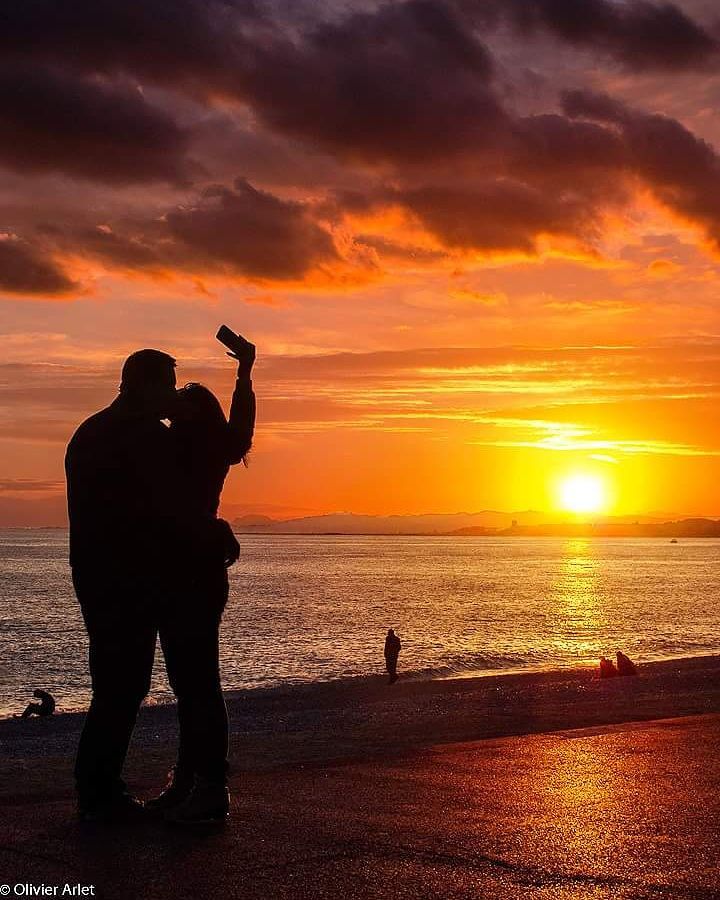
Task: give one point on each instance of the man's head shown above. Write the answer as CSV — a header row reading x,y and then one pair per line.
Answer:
x,y
148,381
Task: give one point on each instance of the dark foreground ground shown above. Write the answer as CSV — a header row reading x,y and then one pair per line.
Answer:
x,y
359,794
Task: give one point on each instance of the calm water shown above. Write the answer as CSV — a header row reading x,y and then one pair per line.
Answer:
x,y
309,608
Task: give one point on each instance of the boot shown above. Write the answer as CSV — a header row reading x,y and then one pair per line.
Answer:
x,y
208,803
177,789
123,809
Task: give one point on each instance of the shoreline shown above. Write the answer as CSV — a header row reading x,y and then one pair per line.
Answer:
x,y
359,683
329,721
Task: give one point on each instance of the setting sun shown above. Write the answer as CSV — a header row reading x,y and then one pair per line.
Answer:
x,y
583,494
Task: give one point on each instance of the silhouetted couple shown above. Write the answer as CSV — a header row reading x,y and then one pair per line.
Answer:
x,y
625,666
149,557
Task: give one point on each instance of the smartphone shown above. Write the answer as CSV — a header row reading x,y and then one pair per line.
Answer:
x,y
231,340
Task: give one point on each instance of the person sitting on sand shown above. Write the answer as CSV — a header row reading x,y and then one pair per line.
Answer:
x,y
46,706
392,651
625,666
607,668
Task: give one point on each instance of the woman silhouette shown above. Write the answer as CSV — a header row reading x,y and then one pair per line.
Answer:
x,y
206,445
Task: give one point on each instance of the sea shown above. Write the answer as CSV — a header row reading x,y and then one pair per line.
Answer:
x,y
315,608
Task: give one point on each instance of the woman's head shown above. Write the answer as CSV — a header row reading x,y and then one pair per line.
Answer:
x,y
198,406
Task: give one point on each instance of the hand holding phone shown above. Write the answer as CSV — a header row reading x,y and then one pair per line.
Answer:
x,y
239,348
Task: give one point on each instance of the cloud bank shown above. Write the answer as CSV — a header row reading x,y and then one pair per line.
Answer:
x,y
409,101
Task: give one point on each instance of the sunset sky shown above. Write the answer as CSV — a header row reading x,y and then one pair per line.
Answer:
x,y
477,242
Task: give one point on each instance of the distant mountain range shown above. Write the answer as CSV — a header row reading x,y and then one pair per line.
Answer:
x,y
51,512
487,522
353,523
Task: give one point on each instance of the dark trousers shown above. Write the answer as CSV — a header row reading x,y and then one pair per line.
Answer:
x,y
124,616
189,637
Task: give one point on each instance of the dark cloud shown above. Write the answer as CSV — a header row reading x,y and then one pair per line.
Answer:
x,y
60,122
134,248
497,216
211,45
253,232
638,33
406,87
25,269
556,176
197,44
400,82
559,175
407,82
544,148
235,230
682,170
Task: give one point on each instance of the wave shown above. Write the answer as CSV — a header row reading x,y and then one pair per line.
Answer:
x,y
492,663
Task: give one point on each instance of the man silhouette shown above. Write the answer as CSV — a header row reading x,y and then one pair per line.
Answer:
x,y
130,542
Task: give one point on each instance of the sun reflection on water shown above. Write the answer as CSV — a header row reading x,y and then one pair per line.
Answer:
x,y
577,616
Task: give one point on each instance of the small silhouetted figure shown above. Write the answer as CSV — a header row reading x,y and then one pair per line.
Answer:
x,y
607,668
625,666
46,706
392,651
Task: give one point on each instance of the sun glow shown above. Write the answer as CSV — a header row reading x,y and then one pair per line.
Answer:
x,y
583,494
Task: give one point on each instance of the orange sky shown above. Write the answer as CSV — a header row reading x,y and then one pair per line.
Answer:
x,y
476,245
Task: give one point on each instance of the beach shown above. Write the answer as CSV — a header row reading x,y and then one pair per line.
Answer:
x,y
551,784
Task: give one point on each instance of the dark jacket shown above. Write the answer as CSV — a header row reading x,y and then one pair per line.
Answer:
x,y
125,497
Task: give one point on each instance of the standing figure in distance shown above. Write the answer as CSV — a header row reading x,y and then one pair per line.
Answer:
x,y
392,651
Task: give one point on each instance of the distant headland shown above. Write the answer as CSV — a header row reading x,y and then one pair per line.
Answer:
x,y
488,523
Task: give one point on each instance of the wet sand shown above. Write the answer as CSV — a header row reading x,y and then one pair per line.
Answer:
x,y
365,790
